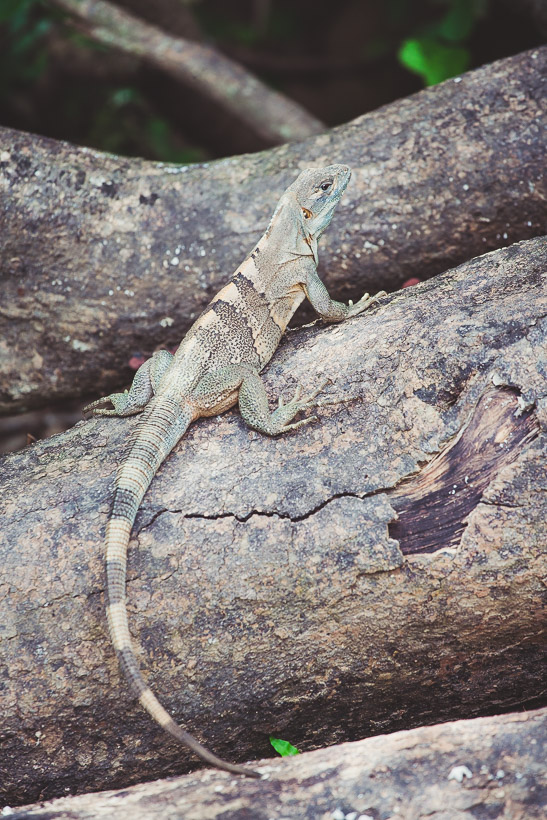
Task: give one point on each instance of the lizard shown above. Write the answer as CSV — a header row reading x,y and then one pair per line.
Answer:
x,y
217,365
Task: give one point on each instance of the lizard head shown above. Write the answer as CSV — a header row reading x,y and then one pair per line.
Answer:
x,y
317,191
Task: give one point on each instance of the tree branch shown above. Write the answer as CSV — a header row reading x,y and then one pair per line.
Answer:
x,y
102,256
487,767
273,117
265,586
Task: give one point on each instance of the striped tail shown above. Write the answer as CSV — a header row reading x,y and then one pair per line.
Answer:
x,y
162,427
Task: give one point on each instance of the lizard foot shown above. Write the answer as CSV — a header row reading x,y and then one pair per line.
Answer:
x,y
121,406
145,383
364,302
286,412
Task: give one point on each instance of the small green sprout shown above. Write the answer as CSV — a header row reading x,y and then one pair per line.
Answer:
x,y
283,747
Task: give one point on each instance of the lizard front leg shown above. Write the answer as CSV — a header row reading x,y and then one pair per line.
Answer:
x,y
144,385
329,309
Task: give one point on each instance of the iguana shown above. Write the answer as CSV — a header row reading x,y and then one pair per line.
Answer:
x,y
218,364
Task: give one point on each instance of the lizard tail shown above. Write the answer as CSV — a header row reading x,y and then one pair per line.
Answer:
x,y
152,444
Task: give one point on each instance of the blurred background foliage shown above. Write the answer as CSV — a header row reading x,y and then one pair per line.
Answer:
x,y
337,59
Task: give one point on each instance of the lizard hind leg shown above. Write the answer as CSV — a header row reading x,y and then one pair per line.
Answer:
x,y
144,385
253,405
215,389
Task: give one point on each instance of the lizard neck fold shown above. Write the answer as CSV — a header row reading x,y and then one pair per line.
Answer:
x,y
288,232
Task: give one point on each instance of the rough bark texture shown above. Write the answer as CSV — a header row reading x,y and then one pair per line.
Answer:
x,y
103,256
264,589
273,117
467,770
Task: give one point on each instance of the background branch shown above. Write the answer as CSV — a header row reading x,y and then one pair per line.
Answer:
x,y
272,116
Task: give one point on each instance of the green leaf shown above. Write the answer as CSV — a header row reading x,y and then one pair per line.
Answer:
x,y
283,747
432,60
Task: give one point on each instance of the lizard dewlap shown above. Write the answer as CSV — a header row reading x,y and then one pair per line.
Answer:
x,y
217,365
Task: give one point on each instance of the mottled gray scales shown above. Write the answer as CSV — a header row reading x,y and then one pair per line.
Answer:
x,y
254,304
232,328
244,341
228,349
218,363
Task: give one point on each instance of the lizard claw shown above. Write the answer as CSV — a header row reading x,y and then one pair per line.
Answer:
x,y
302,402
95,408
295,425
120,405
364,302
283,416
297,393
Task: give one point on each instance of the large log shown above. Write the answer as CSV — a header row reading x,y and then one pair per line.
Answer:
x,y
103,256
264,588
469,769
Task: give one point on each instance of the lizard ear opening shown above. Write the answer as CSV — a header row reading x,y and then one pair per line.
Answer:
x,y
305,242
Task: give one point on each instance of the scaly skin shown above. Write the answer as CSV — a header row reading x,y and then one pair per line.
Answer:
x,y
218,364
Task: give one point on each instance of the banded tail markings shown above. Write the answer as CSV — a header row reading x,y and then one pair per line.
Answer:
x,y
170,422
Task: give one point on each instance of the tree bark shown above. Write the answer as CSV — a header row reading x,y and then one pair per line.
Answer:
x,y
102,256
265,588
469,769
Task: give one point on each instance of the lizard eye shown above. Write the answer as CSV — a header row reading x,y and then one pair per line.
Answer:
x,y
326,185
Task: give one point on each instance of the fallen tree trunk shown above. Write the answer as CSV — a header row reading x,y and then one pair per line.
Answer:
x,y
264,588
104,256
487,767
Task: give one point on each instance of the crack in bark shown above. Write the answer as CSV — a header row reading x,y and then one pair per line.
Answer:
x,y
264,513
501,504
